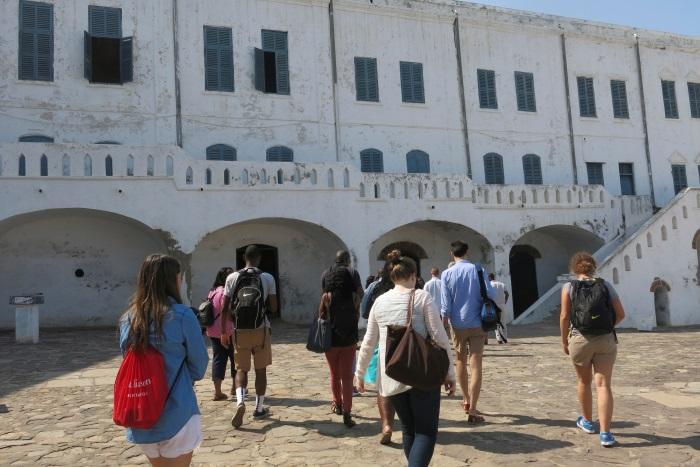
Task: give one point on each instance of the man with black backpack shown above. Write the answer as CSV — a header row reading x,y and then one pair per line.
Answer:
x,y
249,295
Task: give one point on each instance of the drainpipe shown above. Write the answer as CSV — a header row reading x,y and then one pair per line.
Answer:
x,y
644,120
462,100
572,144
176,63
334,71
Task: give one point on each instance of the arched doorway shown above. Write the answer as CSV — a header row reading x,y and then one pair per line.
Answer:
x,y
295,252
541,255
269,262
428,242
662,308
410,249
523,277
84,261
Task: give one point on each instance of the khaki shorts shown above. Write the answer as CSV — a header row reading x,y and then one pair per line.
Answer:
x,y
468,341
255,343
597,350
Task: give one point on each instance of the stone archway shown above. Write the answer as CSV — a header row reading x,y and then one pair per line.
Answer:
x,y
662,305
410,249
84,261
304,251
545,252
430,242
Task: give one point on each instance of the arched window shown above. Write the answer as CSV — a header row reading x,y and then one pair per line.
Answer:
x,y
227,177
22,170
221,152
189,176
169,166
44,166
130,166
150,166
532,169
87,166
493,169
208,177
35,139
371,160
417,162
108,166
279,154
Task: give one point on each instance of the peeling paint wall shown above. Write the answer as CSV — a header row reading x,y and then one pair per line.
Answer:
x,y
44,252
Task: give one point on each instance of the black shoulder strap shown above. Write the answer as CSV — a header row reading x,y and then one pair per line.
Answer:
x,y
482,286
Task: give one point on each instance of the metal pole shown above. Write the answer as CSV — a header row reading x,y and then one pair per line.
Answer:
x,y
572,144
462,100
644,121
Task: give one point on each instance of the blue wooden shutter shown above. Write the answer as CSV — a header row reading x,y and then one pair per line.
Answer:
x,y
525,91
280,154
35,139
493,169
668,89
105,21
595,173
626,178
126,54
221,152
694,97
277,42
532,169
371,160
486,81
412,89
586,96
618,90
417,162
218,59
87,56
36,41
680,180
366,80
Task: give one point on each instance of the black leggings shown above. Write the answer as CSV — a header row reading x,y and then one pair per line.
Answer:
x,y
221,356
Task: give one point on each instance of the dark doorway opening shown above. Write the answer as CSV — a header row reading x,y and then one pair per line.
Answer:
x,y
523,277
410,249
269,262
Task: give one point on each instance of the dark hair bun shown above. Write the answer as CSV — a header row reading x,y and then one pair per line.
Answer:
x,y
394,257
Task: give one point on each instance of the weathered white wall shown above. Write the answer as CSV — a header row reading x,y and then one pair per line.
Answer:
x,y
70,109
41,252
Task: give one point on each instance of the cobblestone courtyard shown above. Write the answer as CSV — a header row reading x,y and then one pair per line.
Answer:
x,y
55,408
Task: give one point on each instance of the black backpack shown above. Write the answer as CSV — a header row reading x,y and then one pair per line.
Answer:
x,y
205,313
338,280
248,309
591,308
381,288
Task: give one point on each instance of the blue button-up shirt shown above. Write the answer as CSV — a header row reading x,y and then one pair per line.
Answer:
x,y
461,296
182,341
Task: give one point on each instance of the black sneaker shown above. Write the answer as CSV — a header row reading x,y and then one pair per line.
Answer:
x,y
348,421
260,414
237,419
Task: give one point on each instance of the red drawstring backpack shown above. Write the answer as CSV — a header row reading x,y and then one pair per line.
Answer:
x,y
140,389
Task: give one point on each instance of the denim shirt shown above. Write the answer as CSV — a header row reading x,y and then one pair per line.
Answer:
x,y
461,295
182,341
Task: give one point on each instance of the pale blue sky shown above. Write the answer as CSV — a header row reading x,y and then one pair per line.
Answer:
x,y
677,16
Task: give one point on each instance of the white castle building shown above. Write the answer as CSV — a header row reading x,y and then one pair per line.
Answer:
x,y
200,127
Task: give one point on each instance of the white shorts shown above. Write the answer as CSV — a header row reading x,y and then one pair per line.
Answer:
x,y
185,441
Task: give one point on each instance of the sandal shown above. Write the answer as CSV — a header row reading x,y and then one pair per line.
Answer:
x,y
385,438
474,419
336,408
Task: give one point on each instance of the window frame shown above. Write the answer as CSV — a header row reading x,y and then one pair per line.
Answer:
x,y
586,97
274,46
366,79
668,94
618,95
494,162
417,162
222,55
286,154
412,84
596,178
35,32
486,87
371,161
694,99
535,162
218,152
525,91
679,176
629,174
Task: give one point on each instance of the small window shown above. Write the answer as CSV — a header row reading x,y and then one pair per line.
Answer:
x,y
87,166
618,91
272,63
35,41
417,162
680,180
595,173
532,169
371,160
366,79
109,169
493,169
486,81
586,96
668,90
221,152
108,57
218,59
525,91
279,154
22,168
694,96
35,139
412,89
627,179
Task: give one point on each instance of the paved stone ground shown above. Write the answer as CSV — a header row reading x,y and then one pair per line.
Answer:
x,y
55,408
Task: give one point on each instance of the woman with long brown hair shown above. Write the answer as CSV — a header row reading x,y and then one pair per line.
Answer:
x,y
157,318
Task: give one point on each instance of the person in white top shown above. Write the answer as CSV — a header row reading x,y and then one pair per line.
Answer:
x,y
501,299
434,286
418,410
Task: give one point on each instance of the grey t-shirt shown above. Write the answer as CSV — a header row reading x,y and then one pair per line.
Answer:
x,y
570,291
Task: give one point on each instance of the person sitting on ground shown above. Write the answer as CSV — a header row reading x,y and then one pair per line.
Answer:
x,y
461,305
342,288
157,318
418,410
251,295
590,310
222,355
501,300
